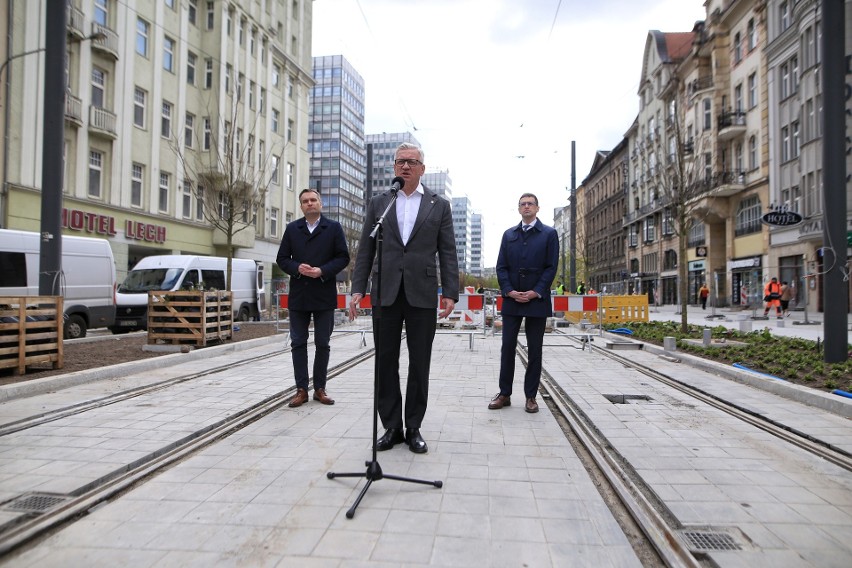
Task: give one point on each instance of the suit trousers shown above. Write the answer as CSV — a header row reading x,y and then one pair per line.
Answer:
x,y
420,326
323,326
535,339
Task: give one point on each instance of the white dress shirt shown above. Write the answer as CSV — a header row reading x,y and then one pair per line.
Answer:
x,y
407,207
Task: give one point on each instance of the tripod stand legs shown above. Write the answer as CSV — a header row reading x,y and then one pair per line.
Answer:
x,y
374,473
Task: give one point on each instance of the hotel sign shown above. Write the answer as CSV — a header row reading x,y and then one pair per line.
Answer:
x,y
95,223
781,218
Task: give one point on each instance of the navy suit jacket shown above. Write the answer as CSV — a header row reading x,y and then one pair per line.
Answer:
x,y
528,261
326,249
413,263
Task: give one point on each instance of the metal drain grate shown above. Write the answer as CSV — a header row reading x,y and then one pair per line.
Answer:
x,y
34,502
627,398
707,540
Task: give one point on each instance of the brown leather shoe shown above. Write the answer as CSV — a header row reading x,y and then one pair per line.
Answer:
x,y
531,406
320,395
499,401
300,398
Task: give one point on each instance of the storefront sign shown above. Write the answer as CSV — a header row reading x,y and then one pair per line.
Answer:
x,y
700,251
750,262
696,265
77,220
781,218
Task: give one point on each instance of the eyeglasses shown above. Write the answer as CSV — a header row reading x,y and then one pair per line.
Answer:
x,y
411,163
527,204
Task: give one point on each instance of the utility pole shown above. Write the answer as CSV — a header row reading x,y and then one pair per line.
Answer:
x,y
50,252
573,241
835,73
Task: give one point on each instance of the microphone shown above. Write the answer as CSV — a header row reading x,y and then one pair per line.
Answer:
x,y
397,184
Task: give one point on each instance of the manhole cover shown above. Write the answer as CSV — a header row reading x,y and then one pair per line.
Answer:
x,y
34,502
627,398
710,540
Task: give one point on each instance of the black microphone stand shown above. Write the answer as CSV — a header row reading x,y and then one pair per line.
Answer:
x,y
374,470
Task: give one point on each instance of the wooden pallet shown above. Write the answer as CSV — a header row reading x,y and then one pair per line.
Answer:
x,y
30,332
190,317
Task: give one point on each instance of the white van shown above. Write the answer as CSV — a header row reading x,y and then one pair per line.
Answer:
x,y
181,272
87,282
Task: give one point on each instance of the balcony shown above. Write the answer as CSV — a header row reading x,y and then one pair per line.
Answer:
x,y
76,23
732,124
698,85
107,40
73,110
102,122
689,147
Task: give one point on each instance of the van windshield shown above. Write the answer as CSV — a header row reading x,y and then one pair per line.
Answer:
x,y
146,279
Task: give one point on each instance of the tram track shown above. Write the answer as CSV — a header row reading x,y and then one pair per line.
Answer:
x,y
79,502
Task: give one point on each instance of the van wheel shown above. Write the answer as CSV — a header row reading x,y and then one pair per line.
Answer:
x,y
75,327
244,314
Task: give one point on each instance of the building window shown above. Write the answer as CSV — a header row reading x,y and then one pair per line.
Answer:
x,y
211,16
738,48
166,121
748,216
785,80
242,31
199,203
273,222
101,13
192,11
96,160
752,90
252,40
752,35
794,141
785,143
262,101
163,204
752,153
136,185
784,15
142,37
187,199
648,229
208,73
738,98
139,107
170,4
632,236
169,54
189,130
290,86
275,120
190,68
291,175
228,78
708,116
668,222
275,165
276,75
290,124
207,133
98,87
739,158
251,95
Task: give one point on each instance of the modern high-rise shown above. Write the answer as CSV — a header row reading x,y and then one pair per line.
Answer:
x,y
336,143
156,105
476,242
462,227
439,182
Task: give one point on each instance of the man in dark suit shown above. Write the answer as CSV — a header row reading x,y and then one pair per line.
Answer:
x,y
313,250
526,266
418,228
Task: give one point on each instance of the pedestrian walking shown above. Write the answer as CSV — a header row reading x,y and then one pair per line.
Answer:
x,y
772,297
786,296
703,293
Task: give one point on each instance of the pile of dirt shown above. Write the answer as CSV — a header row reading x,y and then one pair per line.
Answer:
x,y
115,349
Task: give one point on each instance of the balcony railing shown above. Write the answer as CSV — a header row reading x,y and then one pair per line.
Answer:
x,y
731,124
76,22
102,121
73,109
700,84
107,39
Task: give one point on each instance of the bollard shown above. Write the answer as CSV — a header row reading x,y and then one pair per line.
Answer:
x,y
708,337
779,323
745,326
669,344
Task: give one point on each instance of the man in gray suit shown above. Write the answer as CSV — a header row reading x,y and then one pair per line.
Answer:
x,y
418,228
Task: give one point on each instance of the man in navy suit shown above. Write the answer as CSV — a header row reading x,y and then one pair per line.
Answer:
x,y
313,250
526,267
415,231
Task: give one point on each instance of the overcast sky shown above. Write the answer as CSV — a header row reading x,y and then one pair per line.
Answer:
x,y
496,90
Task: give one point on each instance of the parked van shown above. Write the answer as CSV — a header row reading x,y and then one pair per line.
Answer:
x,y
183,272
87,282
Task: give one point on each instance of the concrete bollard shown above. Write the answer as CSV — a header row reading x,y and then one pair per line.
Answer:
x,y
779,323
669,344
745,326
708,337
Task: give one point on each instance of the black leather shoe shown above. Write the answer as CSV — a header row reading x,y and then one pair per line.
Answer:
x,y
415,441
391,437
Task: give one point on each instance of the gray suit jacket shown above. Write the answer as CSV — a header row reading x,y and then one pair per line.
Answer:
x,y
415,263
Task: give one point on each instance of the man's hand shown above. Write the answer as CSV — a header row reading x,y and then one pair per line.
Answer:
x,y
353,305
310,271
448,305
522,297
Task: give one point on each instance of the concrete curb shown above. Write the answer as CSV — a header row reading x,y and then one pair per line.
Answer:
x,y
825,401
58,382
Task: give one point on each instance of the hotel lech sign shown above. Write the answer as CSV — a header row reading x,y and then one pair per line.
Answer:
x,y
781,217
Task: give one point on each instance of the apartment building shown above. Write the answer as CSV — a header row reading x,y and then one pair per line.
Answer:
x,y
167,96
